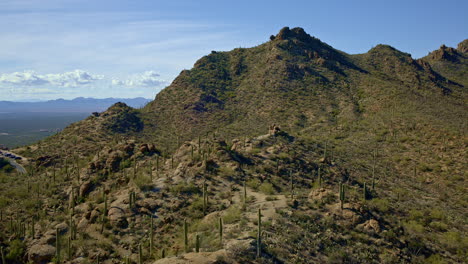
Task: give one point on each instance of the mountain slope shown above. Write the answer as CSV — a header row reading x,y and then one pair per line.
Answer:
x,y
387,127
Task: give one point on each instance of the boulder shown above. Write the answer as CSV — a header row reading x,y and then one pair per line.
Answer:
x,y
83,224
113,161
370,226
116,217
41,253
85,188
144,148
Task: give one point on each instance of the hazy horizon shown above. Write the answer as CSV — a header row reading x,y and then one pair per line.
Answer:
x,y
26,100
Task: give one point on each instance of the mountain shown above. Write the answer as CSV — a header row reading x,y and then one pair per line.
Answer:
x,y
287,152
79,104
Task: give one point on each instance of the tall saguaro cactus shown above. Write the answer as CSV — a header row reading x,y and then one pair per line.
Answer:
x,y
197,243
3,255
364,192
151,237
221,231
292,184
259,233
185,235
319,178
205,197
140,254
245,193
57,246
374,159
342,194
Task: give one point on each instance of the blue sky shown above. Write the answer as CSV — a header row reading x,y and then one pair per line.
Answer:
x,y
68,48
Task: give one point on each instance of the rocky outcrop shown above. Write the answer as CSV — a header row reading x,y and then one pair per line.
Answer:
x,y
41,253
113,161
445,53
463,46
116,217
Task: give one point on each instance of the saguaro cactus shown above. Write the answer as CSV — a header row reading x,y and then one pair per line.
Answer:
x,y
205,197
319,178
157,163
364,192
33,233
199,144
197,243
3,255
185,235
105,204
221,231
151,237
69,247
245,193
57,246
374,159
140,254
342,194
259,232
292,184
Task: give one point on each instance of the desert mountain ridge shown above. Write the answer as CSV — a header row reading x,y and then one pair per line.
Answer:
x,y
287,152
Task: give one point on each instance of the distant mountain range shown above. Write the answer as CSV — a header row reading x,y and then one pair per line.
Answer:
x,y
79,104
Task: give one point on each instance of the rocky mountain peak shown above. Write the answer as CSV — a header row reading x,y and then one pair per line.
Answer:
x,y
444,53
463,46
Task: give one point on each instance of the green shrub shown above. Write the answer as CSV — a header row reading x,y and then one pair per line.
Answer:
x,y
226,172
267,188
253,183
439,226
435,259
413,227
16,250
184,188
232,215
381,205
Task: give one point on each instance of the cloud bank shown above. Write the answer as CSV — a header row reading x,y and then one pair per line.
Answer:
x,y
145,79
31,78
31,84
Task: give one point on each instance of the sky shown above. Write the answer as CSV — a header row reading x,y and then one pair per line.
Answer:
x,y
53,49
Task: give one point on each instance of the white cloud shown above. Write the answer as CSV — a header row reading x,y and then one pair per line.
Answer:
x,y
145,79
72,79
28,78
68,79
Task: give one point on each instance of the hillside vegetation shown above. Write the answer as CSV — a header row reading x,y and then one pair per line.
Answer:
x,y
287,152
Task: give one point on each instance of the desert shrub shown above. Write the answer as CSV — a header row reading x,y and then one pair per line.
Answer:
x,y
267,188
255,151
381,205
15,250
184,188
413,227
226,172
454,241
143,181
439,226
435,259
253,183
232,215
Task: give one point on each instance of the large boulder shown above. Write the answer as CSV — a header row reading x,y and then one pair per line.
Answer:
x,y
41,253
116,216
113,161
85,188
